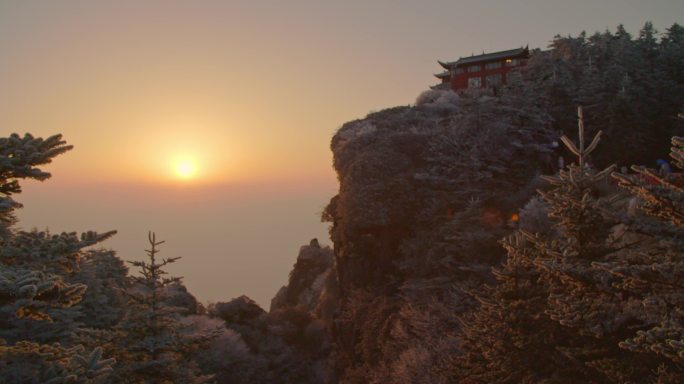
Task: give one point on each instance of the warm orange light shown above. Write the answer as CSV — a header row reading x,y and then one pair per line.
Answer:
x,y
185,168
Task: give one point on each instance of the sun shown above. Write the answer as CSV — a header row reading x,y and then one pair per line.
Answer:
x,y
185,168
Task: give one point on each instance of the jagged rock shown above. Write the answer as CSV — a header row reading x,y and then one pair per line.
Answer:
x,y
291,342
178,296
308,278
241,310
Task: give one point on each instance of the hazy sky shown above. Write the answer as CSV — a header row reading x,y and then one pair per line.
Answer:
x,y
249,93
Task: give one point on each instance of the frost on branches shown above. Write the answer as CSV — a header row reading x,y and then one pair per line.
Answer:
x,y
154,344
37,303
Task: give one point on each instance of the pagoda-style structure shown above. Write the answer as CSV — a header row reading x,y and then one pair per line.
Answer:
x,y
488,70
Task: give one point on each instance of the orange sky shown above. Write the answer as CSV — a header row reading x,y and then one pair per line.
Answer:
x,y
251,92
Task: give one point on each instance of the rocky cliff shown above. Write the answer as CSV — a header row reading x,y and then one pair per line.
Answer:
x,y
425,194
291,343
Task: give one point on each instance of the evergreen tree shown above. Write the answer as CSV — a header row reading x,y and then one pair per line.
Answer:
x,y
557,314
154,345
605,73
104,303
106,277
654,272
581,296
54,259
509,338
37,303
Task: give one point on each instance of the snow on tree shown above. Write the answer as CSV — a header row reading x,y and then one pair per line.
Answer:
x,y
19,158
605,73
509,338
37,303
106,276
557,313
653,272
153,343
581,296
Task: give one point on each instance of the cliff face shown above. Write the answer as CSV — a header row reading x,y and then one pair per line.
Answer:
x,y
312,282
291,342
425,194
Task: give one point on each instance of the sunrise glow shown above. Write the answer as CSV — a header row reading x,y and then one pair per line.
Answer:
x,y
185,169
342,191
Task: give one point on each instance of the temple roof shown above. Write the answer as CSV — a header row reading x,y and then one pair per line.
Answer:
x,y
486,57
443,75
441,86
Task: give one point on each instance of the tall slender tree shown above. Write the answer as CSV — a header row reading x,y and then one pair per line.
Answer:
x,y
154,344
581,296
556,315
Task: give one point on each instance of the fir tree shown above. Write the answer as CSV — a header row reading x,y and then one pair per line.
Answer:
x,y
509,338
654,272
153,342
106,277
557,315
581,296
604,72
37,303
104,303
53,259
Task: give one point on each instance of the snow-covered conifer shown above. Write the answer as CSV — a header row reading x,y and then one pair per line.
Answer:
x,y
153,345
37,303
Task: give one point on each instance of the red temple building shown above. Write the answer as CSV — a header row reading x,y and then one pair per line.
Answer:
x,y
488,70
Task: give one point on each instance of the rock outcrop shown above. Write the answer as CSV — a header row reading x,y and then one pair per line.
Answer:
x,y
291,343
425,194
312,283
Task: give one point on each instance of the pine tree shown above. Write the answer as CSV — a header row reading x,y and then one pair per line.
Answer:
x,y
654,272
106,277
556,313
19,157
53,259
37,304
582,296
153,343
104,303
509,338
604,72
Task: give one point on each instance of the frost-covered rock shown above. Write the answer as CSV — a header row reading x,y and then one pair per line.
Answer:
x,y
424,198
438,99
309,278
